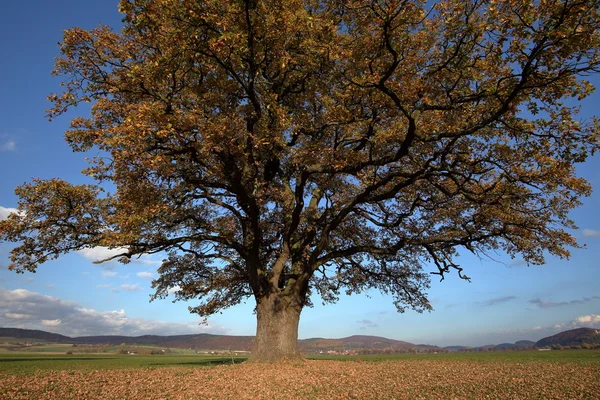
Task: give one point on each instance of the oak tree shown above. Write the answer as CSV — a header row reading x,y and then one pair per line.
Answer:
x,y
285,150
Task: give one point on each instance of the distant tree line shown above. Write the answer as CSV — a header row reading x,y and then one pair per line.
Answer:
x,y
586,346
430,350
578,346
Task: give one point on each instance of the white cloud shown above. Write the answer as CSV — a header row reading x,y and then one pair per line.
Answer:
x,y
51,322
110,319
174,289
131,288
584,321
10,145
145,274
104,256
38,311
109,274
590,233
20,294
588,319
4,211
101,253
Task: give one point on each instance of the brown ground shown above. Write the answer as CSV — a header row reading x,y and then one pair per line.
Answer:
x,y
414,379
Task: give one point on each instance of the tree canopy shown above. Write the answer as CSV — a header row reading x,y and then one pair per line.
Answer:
x,y
289,149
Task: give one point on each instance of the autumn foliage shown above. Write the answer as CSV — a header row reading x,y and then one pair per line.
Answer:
x,y
289,149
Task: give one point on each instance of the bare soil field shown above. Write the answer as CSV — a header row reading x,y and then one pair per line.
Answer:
x,y
317,379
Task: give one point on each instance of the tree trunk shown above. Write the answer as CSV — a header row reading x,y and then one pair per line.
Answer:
x,y
276,329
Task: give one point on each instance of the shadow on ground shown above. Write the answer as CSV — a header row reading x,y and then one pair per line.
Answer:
x,y
204,363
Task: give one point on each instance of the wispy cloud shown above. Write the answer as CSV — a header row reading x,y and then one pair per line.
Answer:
x,y
518,263
145,274
590,233
131,288
16,316
367,323
551,304
497,300
69,318
9,145
104,286
113,274
146,259
483,303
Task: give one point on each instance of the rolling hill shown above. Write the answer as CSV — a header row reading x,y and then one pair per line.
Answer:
x,y
17,333
518,345
206,341
571,338
362,343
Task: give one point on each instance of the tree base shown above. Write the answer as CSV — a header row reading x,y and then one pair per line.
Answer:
x,y
276,330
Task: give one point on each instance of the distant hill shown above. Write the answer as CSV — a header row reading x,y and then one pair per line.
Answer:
x,y
33,334
519,345
201,341
362,343
206,341
573,337
569,338
524,343
197,342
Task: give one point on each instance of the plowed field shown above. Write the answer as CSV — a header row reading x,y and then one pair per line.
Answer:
x,y
317,379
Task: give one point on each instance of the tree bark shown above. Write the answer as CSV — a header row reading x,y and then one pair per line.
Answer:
x,y
276,329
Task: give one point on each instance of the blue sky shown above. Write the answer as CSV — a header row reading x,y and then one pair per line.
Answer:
x,y
506,300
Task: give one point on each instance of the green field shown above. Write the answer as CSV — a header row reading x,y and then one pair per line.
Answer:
x,y
23,363
29,362
571,356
